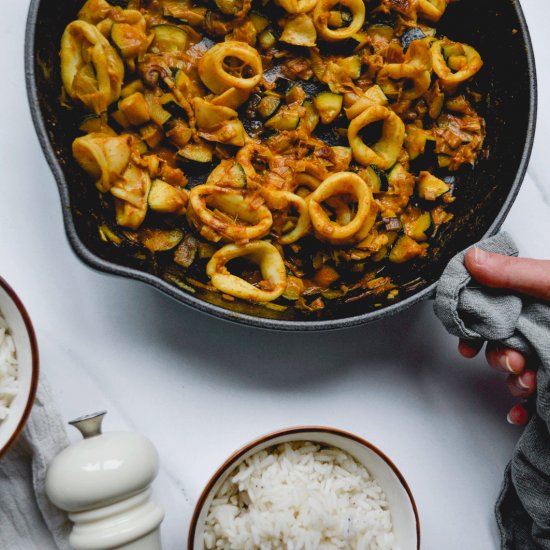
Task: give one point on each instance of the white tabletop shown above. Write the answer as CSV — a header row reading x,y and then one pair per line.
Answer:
x,y
200,387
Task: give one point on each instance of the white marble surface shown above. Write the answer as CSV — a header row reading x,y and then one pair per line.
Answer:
x,y
200,388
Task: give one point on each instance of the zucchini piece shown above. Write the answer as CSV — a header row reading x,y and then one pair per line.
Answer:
x,y
169,38
286,118
166,198
197,152
132,88
135,109
338,19
295,94
151,134
267,39
160,240
379,33
228,172
120,118
179,133
379,179
431,188
416,33
405,249
351,66
359,40
259,21
415,140
268,105
124,41
417,229
311,116
396,173
170,103
119,3
329,106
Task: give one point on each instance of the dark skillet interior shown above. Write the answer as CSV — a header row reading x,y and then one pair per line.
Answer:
x,y
495,28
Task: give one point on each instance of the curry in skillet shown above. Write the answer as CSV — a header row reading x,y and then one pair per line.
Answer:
x,y
273,143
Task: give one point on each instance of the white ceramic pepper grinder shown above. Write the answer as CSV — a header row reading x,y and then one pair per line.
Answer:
x,y
103,482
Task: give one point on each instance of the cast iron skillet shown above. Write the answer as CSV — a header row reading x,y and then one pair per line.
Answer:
x,y
485,194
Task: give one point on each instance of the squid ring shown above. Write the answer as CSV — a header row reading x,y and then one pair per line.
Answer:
x,y
421,80
246,155
262,253
91,70
321,16
432,9
472,61
296,6
384,153
338,184
104,157
236,205
217,78
279,200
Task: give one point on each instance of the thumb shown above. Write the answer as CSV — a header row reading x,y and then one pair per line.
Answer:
x,y
531,277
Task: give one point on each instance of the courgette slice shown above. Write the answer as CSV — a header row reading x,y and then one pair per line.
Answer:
x,y
268,105
132,88
259,21
186,251
379,179
169,103
329,106
228,173
352,66
119,3
151,134
197,152
267,39
124,42
169,38
311,116
396,173
380,33
135,109
405,249
160,240
431,188
286,118
418,228
166,198
158,115
410,36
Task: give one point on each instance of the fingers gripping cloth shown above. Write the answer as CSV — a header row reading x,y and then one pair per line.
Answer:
x,y
521,323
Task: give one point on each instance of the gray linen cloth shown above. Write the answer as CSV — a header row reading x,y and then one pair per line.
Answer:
x,y
519,322
27,518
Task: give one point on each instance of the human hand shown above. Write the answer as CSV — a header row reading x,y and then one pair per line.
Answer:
x,y
530,277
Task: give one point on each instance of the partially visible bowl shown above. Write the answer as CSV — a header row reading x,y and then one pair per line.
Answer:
x,y
24,338
403,509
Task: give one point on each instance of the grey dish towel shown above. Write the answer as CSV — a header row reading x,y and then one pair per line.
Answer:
x,y
521,323
27,519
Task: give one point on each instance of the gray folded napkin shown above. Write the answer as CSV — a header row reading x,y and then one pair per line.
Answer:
x,y
27,518
521,323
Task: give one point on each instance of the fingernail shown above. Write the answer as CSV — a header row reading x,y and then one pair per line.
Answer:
x,y
518,416
504,362
480,256
521,382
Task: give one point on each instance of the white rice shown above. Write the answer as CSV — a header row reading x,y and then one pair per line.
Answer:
x,y
299,496
8,369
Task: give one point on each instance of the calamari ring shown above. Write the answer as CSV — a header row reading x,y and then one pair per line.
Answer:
x,y
384,153
216,77
340,183
445,74
322,12
236,205
281,200
416,69
265,255
104,157
421,80
91,70
431,9
296,6
245,157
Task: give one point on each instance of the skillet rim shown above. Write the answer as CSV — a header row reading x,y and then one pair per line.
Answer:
x,y
213,310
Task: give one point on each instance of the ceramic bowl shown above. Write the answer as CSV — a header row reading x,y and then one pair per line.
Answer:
x,y
402,506
27,354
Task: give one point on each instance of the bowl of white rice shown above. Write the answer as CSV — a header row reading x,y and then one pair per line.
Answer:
x,y
18,366
306,488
